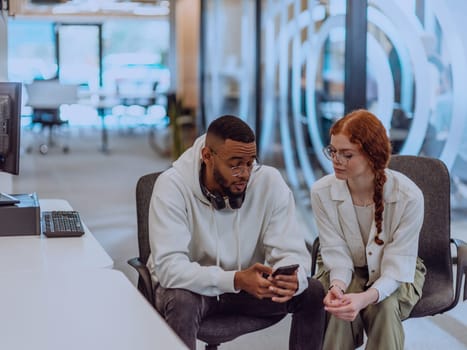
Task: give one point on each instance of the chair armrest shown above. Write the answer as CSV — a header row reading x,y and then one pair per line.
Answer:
x,y
461,262
314,255
144,280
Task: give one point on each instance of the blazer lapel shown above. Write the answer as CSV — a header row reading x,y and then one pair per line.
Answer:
x,y
346,212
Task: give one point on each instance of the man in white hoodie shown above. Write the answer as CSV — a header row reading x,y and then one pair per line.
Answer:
x,y
218,223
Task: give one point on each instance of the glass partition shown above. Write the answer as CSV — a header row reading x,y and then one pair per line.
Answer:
x,y
79,53
229,69
31,50
135,55
417,52
414,80
303,83
116,63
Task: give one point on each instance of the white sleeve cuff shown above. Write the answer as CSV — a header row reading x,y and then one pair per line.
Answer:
x,y
226,282
385,287
344,275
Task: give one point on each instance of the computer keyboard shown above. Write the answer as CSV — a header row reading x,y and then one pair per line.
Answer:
x,y
61,224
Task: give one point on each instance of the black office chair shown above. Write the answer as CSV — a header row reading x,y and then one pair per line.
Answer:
x,y
46,98
48,119
440,293
214,330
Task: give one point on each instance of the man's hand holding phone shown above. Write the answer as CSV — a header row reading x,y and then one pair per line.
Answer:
x,y
252,281
285,270
284,283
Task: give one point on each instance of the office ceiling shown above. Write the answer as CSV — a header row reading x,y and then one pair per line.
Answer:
x,y
90,7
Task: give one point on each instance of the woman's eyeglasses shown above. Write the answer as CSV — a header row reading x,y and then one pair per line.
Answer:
x,y
332,154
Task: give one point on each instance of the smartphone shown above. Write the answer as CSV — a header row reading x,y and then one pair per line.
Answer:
x,y
285,270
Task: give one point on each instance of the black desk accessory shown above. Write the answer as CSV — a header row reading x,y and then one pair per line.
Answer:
x,y
20,216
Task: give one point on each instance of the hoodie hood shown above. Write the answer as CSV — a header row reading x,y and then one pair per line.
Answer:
x,y
188,166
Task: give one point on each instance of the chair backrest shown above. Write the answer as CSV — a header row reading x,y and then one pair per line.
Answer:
x,y
144,189
51,94
432,177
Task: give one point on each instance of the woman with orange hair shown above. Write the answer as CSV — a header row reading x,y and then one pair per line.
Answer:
x,y
369,219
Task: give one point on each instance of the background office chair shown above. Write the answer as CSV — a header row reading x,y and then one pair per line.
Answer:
x,y
214,329
440,293
46,97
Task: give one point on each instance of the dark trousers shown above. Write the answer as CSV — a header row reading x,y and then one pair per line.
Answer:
x,y
184,311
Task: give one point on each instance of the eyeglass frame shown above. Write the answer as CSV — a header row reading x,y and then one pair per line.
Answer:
x,y
238,168
331,153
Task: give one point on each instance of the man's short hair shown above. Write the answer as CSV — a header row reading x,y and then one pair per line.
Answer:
x,y
231,127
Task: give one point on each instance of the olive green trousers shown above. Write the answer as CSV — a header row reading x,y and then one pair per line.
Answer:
x,y
382,321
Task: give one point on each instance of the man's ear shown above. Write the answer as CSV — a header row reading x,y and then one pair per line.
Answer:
x,y
206,154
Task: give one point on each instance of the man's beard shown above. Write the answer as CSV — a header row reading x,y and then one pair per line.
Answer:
x,y
225,190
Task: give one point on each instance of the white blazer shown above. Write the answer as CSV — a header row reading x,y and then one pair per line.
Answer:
x,y
342,246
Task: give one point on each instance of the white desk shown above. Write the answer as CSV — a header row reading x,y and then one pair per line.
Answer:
x,y
94,309
20,253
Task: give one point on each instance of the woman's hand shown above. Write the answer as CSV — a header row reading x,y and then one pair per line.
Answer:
x,y
347,306
335,294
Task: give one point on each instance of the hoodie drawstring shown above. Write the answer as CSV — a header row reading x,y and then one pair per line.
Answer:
x,y
214,225
237,236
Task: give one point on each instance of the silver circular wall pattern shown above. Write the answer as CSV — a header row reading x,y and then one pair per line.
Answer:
x,y
409,33
405,33
459,72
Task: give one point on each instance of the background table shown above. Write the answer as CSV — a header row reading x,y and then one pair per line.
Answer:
x,y
93,309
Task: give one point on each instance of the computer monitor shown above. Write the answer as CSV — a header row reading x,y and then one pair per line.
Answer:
x,y
10,126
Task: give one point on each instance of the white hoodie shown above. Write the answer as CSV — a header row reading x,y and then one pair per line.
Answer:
x,y
199,248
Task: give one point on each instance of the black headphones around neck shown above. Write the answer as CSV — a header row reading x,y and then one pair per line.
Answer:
x,y
216,199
